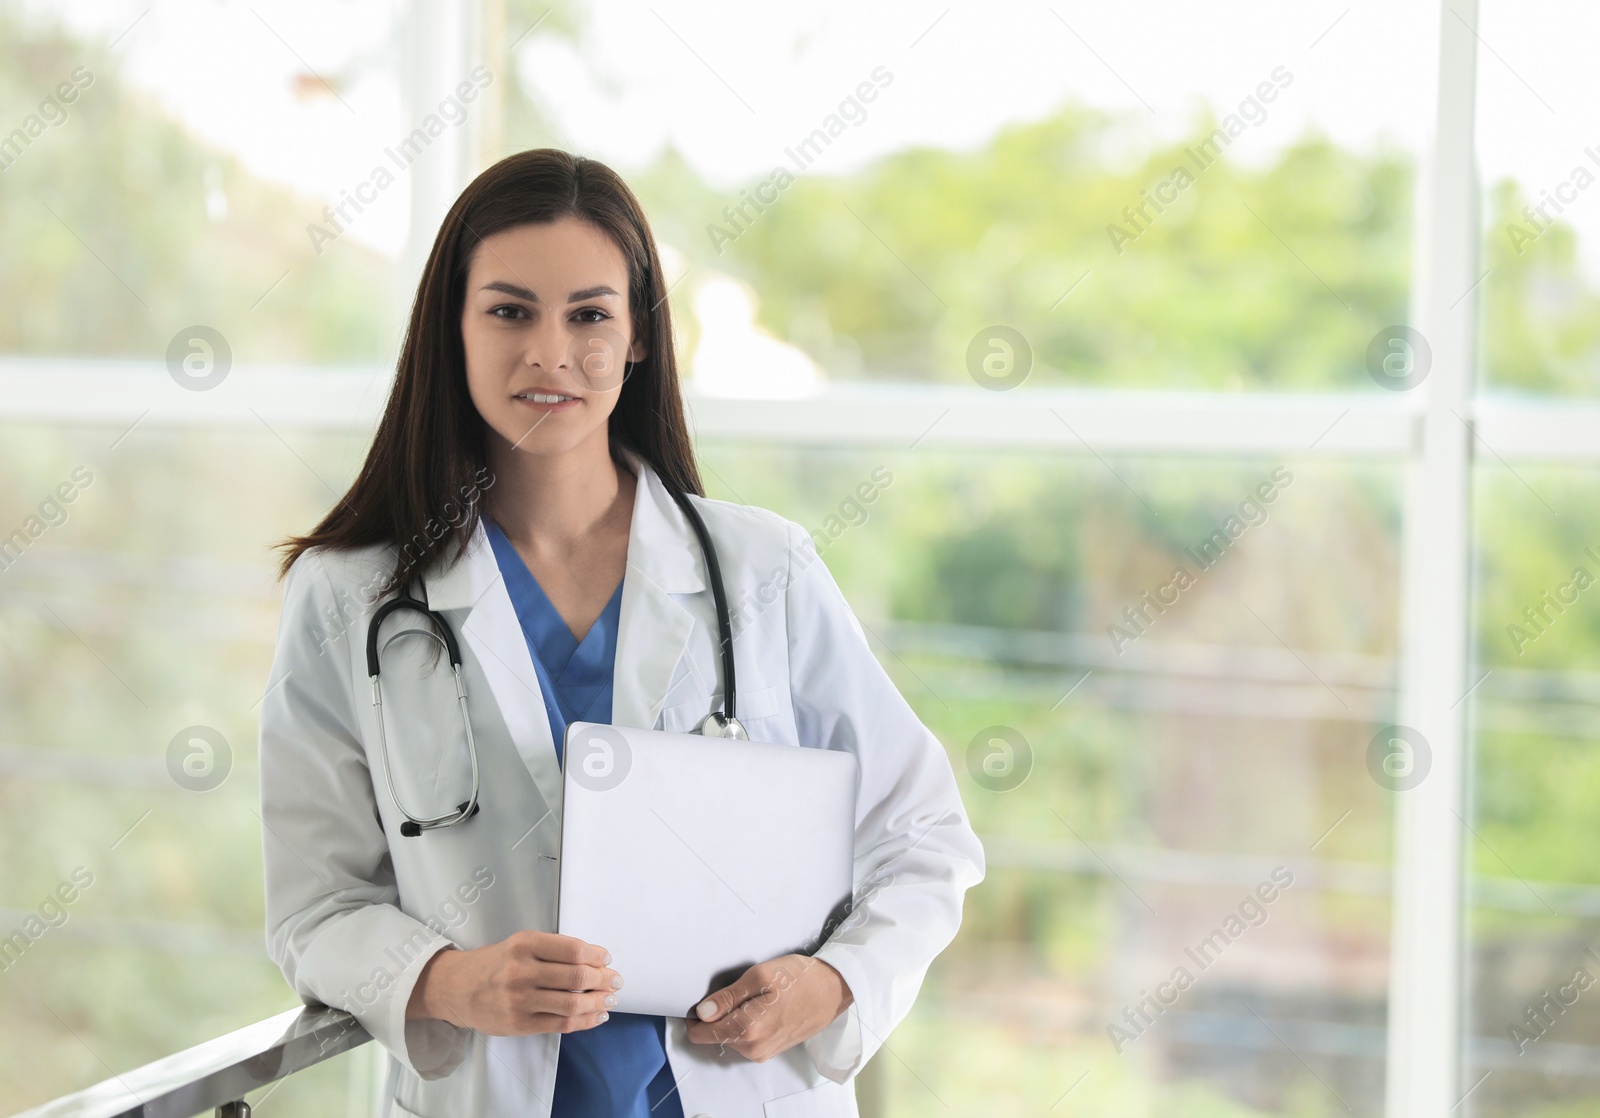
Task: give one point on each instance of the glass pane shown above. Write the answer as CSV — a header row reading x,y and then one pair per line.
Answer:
x,y
1534,919
1223,205
1541,212
1185,790
1188,761
951,173
139,610
169,166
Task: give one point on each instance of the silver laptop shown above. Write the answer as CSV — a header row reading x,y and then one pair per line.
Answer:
x,y
691,859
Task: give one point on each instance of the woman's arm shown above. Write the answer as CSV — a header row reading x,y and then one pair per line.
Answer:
x,y
530,982
771,1007
333,922
916,854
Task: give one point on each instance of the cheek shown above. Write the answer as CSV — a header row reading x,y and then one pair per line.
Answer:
x,y
487,359
484,354
476,356
602,404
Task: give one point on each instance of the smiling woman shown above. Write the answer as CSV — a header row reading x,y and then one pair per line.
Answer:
x,y
558,357
582,586
518,276
545,374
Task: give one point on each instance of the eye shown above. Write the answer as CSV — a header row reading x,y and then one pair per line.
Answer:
x,y
601,315
514,312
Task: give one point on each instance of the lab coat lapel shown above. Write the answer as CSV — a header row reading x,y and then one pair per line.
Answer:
x,y
653,631
482,613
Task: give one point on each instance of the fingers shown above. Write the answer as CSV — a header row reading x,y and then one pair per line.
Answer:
x,y
565,976
564,1010
742,1024
553,948
747,1033
578,1024
530,982
556,1023
758,981
566,1003
745,1015
557,983
560,962
731,1031
717,1004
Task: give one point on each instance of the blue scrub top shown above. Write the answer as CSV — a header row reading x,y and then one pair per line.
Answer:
x,y
618,1069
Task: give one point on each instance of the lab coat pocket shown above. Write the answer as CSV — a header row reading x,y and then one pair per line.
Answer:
x,y
825,1100
402,1082
411,1096
763,705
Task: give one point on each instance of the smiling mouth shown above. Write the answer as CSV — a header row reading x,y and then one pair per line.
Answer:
x,y
544,397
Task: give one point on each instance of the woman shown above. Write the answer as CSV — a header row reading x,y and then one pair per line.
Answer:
x,y
521,485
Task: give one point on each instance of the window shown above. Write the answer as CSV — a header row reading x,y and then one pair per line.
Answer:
x,y
944,297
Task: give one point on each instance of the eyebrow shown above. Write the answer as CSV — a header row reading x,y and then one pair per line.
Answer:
x,y
520,292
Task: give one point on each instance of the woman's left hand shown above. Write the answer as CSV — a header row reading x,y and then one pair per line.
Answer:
x,y
772,1007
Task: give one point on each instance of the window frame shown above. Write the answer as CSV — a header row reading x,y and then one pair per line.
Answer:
x,y
1435,431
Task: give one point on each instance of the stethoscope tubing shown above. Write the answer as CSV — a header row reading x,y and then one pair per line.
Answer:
x,y
728,724
721,723
415,824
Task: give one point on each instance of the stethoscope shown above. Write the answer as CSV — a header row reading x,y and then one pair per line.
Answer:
x,y
718,724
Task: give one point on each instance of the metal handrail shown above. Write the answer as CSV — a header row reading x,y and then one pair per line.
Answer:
x,y
218,1074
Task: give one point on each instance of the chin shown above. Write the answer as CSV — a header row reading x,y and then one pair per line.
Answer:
x,y
550,439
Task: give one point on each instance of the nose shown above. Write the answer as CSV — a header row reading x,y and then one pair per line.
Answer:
x,y
547,346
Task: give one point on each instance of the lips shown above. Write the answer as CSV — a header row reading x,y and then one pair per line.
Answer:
x,y
543,397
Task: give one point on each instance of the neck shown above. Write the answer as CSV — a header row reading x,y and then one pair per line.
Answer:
x,y
552,503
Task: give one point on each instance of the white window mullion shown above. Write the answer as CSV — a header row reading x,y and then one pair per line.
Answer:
x,y
443,43
1427,950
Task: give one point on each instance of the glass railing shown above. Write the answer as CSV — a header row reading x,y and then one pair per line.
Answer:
x,y
216,1076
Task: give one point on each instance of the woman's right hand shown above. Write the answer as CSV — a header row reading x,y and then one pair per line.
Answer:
x,y
530,982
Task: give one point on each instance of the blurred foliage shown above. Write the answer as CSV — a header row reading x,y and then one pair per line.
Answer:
x,y
526,122
153,607
1540,315
108,211
1538,780
1272,278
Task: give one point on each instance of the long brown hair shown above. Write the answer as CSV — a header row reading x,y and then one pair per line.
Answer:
x,y
420,487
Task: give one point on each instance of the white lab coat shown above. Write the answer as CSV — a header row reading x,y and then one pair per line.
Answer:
x,y
354,909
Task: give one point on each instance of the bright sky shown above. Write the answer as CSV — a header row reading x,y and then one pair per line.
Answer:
x,y
732,90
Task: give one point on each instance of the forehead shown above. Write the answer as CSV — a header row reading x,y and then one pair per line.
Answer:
x,y
566,251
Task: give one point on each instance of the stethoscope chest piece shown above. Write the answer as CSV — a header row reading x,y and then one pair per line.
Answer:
x,y
719,725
